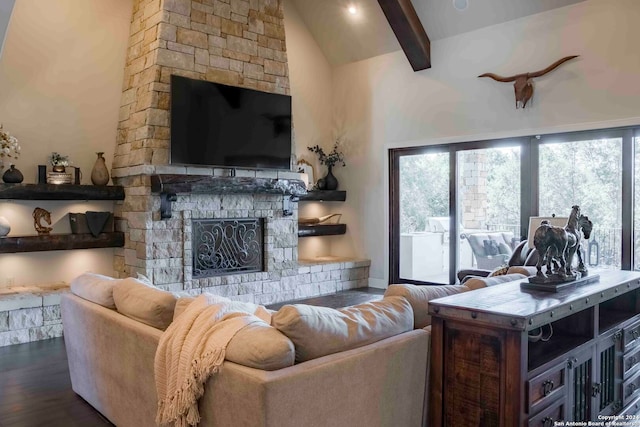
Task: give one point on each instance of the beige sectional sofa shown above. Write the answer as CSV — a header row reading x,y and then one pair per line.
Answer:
x,y
111,360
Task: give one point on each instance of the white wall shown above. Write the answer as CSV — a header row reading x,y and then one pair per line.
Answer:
x,y
310,77
60,83
385,104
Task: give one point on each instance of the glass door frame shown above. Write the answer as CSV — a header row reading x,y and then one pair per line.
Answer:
x,y
529,188
454,223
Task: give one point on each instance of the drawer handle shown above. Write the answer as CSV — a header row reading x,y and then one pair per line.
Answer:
x,y
632,387
632,361
635,334
547,387
547,422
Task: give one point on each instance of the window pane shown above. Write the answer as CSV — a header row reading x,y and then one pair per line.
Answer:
x,y
424,217
488,206
588,174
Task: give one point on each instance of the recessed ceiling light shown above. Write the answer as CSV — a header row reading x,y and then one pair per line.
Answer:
x,y
352,9
461,4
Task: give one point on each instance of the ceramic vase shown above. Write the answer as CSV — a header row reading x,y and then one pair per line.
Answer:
x,y
100,173
5,227
12,176
331,182
59,169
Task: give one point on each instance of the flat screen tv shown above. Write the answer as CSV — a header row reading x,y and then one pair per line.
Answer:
x,y
218,125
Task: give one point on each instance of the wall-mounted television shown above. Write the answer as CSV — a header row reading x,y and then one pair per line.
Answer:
x,y
218,125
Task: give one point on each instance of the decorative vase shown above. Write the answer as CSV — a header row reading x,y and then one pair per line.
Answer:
x,y
12,176
331,182
59,169
100,173
321,184
5,227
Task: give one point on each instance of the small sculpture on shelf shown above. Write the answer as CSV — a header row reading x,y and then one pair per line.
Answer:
x,y
320,220
557,246
38,215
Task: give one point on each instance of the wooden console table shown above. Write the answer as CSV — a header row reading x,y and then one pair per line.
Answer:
x,y
502,356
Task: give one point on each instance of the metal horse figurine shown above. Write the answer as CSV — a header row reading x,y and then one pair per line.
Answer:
x,y
561,244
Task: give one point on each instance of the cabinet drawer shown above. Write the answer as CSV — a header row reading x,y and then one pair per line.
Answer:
x,y
631,389
549,416
631,362
630,335
632,409
546,387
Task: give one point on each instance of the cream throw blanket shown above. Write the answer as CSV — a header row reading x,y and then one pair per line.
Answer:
x,y
192,349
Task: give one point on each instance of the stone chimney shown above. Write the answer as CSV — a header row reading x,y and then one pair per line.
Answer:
x,y
234,42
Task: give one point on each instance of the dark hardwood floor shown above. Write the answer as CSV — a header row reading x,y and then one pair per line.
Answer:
x,y
35,388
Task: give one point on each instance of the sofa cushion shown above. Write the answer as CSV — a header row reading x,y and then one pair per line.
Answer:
x,y
419,297
95,288
144,303
474,283
181,304
257,345
261,346
318,331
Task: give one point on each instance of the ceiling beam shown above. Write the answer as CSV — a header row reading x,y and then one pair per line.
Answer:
x,y
409,31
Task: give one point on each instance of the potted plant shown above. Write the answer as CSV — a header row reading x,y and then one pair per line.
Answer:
x,y
59,162
330,160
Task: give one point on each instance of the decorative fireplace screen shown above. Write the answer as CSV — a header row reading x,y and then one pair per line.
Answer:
x,y
225,246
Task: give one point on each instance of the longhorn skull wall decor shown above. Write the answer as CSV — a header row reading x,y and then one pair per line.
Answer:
x,y
524,82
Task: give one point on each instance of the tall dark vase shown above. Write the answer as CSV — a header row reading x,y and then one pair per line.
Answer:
x,y
331,182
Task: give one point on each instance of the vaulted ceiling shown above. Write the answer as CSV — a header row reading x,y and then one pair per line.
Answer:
x,y
345,37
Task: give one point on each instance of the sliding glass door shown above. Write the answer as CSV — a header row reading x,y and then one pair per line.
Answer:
x,y
488,202
587,173
467,205
423,201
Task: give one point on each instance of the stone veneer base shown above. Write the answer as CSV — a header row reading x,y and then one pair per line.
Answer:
x,y
32,313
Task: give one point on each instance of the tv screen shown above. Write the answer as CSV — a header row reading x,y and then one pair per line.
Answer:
x,y
218,125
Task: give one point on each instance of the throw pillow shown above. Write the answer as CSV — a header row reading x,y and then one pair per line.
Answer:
x,y
419,297
504,249
261,346
482,282
500,271
319,331
95,288
490,247
144,303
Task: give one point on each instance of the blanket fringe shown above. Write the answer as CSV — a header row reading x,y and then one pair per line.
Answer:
x,y
181,408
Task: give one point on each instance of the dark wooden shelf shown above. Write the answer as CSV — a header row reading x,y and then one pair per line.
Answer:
x,y
321,230
61,192
60,242
324,196
205,184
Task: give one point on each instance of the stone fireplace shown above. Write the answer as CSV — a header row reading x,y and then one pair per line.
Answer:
x,y
235,42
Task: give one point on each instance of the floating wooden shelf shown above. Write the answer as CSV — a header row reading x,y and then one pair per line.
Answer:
x,y
324,196
61,192
60,242
321,230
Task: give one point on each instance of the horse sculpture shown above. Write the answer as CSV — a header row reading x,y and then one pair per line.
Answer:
x,y
38,215
561,244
